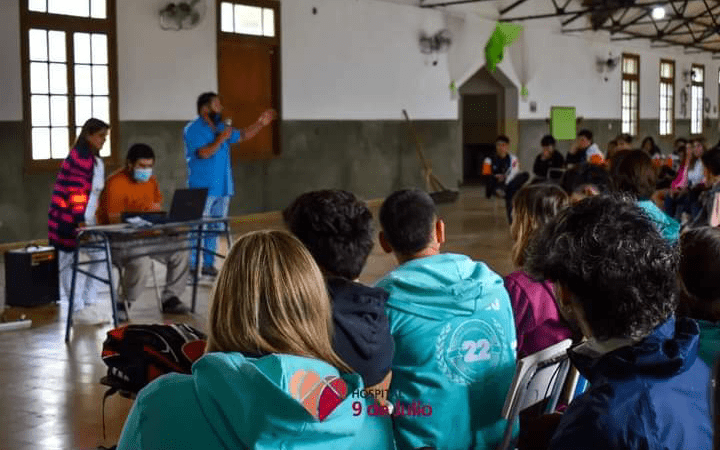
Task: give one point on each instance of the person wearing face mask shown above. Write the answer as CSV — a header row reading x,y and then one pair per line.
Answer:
x,y
134,188
207,152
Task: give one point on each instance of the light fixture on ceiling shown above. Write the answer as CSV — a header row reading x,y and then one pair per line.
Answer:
x,y
658,13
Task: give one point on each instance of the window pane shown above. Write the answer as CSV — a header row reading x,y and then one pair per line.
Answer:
x,y
83,80
101,108
248,20
40,110
70,7
268,22
38,45
58,79
37,5
60,140
100,80
56,46
226,17
59,110
99,49
83,109
97,9
39,78
82,48
41,143
105,151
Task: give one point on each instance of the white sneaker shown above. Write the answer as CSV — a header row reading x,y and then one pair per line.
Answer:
x,y
93,314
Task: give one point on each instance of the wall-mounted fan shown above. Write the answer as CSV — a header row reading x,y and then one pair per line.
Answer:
x,y
437,43
182,15
605,65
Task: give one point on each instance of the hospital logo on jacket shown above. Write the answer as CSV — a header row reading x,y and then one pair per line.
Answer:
x,y
320,396
467,348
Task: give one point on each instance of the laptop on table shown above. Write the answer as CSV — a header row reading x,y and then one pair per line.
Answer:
x,y
187,205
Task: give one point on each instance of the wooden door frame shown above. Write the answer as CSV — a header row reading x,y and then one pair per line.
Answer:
x,y
274,42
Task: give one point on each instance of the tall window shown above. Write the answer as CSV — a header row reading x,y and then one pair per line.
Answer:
x,y
667,97
69,76
697,96
630,93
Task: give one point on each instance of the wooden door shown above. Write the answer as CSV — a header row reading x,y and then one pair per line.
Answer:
x,y
248,84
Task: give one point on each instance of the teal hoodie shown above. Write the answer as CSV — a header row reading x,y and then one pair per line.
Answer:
x,y
233,402
668,227
454,352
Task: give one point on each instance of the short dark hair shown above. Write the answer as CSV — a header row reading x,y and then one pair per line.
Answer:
x,y
335,227
547,140
585,174
700,263
613,261
503,138
139,151
586,133
680,139
711,160
624,137
204,99
407,218
633,172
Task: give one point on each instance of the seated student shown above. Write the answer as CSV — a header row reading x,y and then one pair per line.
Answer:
x,y
615,275
270,377
506,177
690,181
454,333
134,188
707,211
650,147
624,142
632,172
537,320
584,150
585,180
337,229
700,276
548,159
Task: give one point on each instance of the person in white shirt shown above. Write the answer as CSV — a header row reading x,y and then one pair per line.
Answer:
x,y
585,150
505,178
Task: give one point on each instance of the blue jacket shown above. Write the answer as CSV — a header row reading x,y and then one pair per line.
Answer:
x,y
215,172
668,227
234,402
653,395
454,352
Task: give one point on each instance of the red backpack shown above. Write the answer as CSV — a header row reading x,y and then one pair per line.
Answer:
x,y
137,354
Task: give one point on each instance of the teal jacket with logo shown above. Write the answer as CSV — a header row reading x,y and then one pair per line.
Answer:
x,y
455,346
272,402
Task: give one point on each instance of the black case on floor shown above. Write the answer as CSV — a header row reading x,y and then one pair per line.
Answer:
x,y
31,276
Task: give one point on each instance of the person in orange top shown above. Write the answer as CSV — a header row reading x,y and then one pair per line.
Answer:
x,y
133,188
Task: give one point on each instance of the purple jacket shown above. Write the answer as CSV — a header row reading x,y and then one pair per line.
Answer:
x,y
537,319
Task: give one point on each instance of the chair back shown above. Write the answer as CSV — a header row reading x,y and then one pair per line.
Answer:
x,y
537,377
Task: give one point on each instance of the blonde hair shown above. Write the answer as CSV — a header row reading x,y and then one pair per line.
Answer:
x,y
270,297
533,206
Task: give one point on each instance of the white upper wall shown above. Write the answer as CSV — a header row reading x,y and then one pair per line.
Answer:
x,y
161,73
10,80
360,59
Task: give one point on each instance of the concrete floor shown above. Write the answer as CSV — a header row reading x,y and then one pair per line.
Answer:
x,y
50,396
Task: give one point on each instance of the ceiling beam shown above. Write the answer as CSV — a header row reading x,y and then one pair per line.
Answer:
x,y
585,11
449,3
511,7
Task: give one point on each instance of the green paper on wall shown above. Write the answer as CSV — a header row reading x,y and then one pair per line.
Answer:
x,y
503,35
562,122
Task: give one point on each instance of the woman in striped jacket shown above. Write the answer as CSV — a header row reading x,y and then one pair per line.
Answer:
x,y
74,201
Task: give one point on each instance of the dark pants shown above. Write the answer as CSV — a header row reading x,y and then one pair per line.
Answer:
x,y
510,189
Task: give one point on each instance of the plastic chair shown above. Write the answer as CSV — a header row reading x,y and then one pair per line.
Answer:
x,y
537,377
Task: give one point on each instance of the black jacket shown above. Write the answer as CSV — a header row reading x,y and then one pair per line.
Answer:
x,y
362,331
541,166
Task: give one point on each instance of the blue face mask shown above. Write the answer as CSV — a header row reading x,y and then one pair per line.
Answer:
x,y
142,175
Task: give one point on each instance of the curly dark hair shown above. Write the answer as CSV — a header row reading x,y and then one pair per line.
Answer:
x,y
633,172
585,174
611,258
407,218
335,227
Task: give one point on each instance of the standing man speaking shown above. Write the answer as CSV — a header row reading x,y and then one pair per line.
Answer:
x,y
207,152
